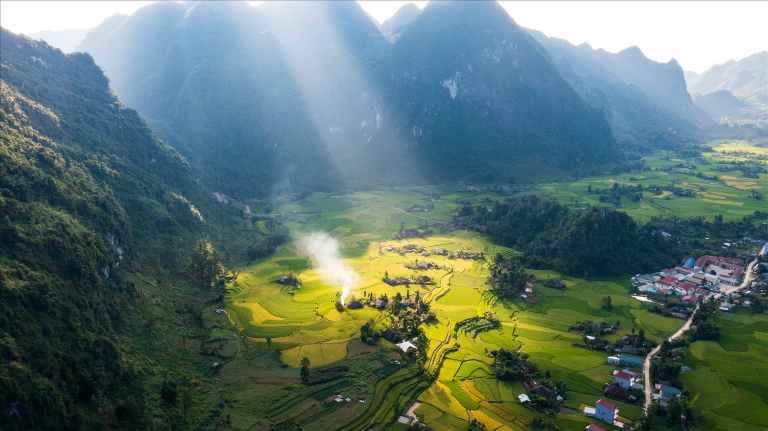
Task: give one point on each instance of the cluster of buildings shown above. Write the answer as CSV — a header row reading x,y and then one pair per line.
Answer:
x,y
695,277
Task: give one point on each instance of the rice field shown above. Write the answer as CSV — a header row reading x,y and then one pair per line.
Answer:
x,y
303,322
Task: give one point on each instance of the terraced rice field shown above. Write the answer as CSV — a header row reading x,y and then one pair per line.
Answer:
x,y
303,322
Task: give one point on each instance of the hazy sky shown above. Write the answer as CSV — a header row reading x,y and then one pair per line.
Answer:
x,y
697,34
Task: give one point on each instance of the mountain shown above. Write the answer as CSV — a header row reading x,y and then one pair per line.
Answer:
x,y
65,40
723,105
301,96
469,90
216,86
747,78
646,102
95,35
92,205
689,75
400,20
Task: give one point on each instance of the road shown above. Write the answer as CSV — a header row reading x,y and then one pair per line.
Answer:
x,y
647,363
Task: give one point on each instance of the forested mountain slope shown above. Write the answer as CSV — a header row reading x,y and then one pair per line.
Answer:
x,y
90,198
646,102
310,96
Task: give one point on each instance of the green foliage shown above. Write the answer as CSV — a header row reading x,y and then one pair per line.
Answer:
x,y
205,265
598,241
170,391
510,364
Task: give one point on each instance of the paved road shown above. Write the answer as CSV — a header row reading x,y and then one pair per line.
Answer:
x,y
647,363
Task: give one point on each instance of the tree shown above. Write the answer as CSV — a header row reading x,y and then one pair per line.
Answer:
x,y
278,353
476,426
269,341
169,391
205,264
547,374
641,337
187,400
607,303
757,305
304,368
674,411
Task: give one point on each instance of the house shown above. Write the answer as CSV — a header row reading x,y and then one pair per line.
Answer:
x,y
402,280
406,345
663,284
669,392
589,412
425,265
670,279
389,334
425,253
687,287
379,303
644,278
625,379
426,279
355,305
616,393
606,411
593,427
664,291
725,307
389,248
523,398
390,281
523,296
282,280
440,251
628,349
690,299
689,263
543,391
626,360
628,339
221,311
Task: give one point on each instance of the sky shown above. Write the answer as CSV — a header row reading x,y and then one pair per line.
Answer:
x,y
697,34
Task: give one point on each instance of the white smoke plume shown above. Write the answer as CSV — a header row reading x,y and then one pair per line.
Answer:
x,y
324,250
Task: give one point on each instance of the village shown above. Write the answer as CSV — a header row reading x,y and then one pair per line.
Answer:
x,y
718,277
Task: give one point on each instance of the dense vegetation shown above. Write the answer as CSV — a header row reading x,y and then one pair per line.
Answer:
x,y
92,205
599,241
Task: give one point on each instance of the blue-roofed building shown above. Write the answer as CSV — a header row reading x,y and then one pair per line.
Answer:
x,y
626,361
689,262
668,392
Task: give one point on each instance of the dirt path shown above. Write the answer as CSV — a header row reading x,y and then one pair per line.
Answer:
x,y
647,363
436,353
301,345
410,413
425,218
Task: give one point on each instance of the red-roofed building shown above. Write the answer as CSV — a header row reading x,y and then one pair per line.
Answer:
x,y
593,427
726,265
606,411
733,260
664,291
663,283
670,279
688,287
683,270
624,379
702,261
690,299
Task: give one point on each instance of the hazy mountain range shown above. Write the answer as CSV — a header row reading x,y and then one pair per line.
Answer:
x,y
299,96
735,90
